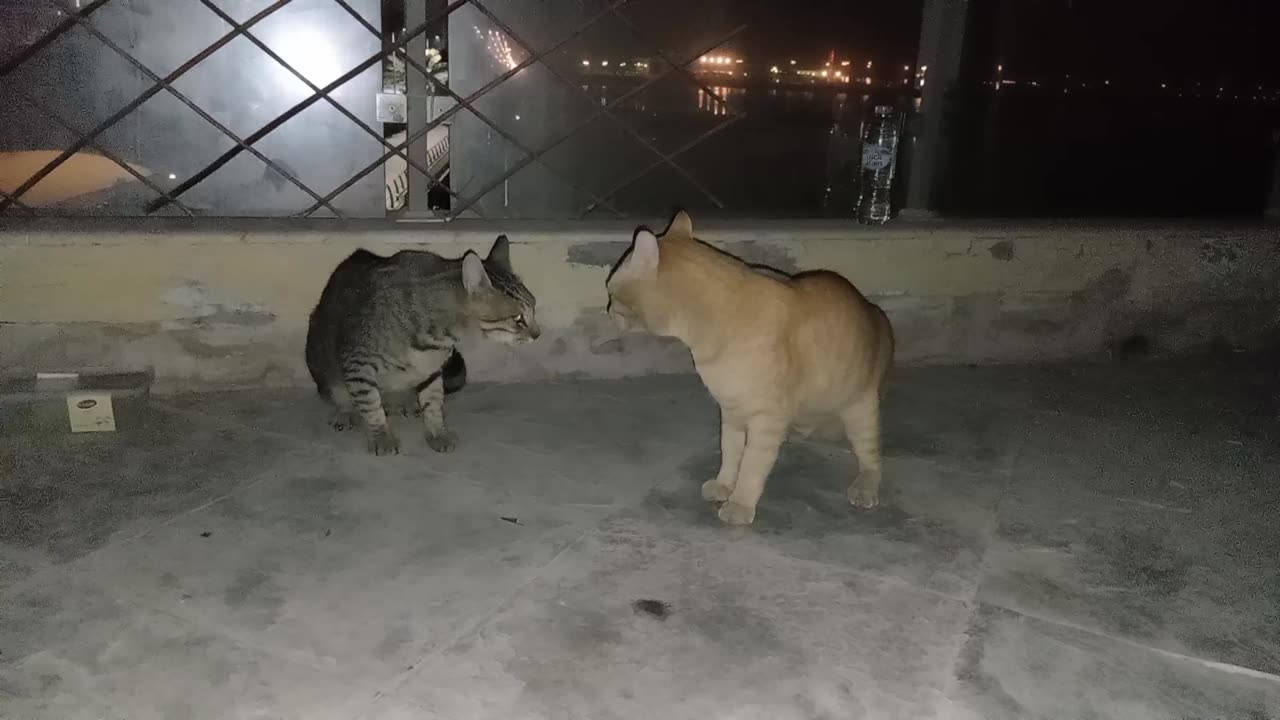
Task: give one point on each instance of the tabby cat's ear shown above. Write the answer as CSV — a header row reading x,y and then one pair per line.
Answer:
x,y
474,278
642,261
681,225
500,253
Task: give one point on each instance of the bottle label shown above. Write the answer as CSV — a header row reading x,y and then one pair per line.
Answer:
x,y
875,157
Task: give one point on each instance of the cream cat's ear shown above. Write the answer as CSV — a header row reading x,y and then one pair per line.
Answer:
x,y
474,278
681,224
642,261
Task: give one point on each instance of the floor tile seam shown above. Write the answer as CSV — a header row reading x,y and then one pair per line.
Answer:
x,y
1215,665
467,629
950,684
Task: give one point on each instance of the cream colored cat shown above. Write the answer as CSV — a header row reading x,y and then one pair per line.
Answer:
x,y
775,351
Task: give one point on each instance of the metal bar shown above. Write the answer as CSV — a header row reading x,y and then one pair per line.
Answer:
x,y
581,28
316,89
418,106
639,137
138,101
467,105
48,38
641,173
103,151
265,130
407,155
598,112
683,68
21,206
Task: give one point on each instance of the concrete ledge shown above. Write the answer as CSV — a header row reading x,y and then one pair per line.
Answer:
x,y
225,303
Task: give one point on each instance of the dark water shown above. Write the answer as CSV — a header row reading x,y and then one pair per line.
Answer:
x,y
767,151
795,152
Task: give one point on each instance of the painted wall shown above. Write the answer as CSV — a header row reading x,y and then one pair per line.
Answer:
x,y
224,307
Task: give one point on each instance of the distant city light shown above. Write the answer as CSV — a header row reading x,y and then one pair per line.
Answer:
x,y
739,61
793,62
586,63
824,73
999,68
907,68
604,63
868,64
774,69
845,63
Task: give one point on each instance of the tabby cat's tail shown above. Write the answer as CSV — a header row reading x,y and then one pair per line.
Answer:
x,y
454,372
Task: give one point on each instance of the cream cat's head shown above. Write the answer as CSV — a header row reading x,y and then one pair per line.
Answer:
x,y
637,301
500,303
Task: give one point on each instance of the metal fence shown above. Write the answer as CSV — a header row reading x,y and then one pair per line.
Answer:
x,y
112,111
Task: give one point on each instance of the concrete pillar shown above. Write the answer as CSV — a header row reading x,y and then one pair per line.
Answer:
x,y
942,33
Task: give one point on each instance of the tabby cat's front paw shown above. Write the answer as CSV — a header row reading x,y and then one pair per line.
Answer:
x,y
343,421
442,442
734,514
384,443
712,490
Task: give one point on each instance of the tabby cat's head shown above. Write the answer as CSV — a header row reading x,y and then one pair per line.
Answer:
x,y
502,306
636,299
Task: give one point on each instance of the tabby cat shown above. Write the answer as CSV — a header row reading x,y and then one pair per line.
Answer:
x,y
387,325
774,350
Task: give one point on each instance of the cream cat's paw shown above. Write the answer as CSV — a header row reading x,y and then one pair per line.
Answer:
x,y
864,494
714,491
734,514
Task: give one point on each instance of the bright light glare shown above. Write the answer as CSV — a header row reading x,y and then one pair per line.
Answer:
x,y
308,49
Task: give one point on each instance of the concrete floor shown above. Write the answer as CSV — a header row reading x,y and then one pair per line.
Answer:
x,y
1062,542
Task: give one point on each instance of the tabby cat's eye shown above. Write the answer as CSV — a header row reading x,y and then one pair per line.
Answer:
x,y
519,318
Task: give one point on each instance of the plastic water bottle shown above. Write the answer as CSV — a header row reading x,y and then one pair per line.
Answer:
x,y
879,156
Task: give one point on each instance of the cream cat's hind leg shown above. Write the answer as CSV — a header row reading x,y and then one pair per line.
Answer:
x,y
862,424
733,438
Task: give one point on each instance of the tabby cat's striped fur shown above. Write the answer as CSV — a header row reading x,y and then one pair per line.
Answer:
x,y
388,325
